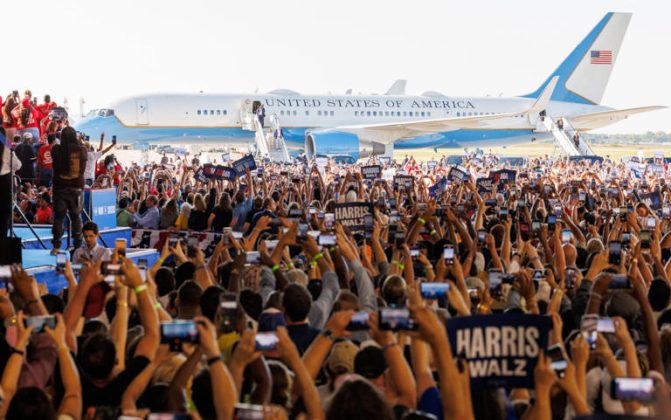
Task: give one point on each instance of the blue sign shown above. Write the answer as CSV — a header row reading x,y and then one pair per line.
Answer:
x,y
502,349
101,205
243,164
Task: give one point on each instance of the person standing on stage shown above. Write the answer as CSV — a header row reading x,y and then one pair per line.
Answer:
x,y
69,164
8,163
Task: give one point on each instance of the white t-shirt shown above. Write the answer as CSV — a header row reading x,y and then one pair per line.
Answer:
x,y
91,160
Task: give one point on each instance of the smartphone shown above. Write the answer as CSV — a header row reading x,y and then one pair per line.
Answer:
x,y
503,214
271,244
359,321
252,258
605,325
651,222
588,329
177,332
39,322
120,245
431,290
552,221
113,139
295,213
266,341
395,319
228,312
61,259
172,242
666,212
399,238
620,281
633,389
615,252
626,239
482,236
142,267
110,268
249,412
192,241
535,227
448,254
566,236
329,220
569,278
558,361
581,197
490,203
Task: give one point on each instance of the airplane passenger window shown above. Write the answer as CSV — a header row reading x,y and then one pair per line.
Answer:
x,y
410,113
332,113
458,114
368,113
398,114
211,112
307,112
356,113
218,112
319,113
375,113
295,113
225,112
405,113
198,112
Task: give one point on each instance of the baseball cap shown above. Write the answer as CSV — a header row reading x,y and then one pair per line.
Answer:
x,y
95,301
342,356
370,363
27,136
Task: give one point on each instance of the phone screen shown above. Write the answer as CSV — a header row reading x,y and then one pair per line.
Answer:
x,y
326,240
120,246
39,322
615,252
431,290
557,360
394,319
566,236
588,328
358,322
633,389
266,341
253,257
184,331
448,254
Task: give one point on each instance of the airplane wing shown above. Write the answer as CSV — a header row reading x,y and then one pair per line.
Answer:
x,y
387,133
600,119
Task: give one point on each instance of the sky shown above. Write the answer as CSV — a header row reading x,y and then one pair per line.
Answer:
x,y
102,51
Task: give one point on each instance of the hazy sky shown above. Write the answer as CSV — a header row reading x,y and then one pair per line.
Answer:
x,y
466,47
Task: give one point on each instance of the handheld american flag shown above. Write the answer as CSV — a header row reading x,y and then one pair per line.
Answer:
x,y
601,57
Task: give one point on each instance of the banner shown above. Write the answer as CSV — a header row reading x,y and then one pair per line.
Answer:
x,y
354,215
652,199
224,173
503,176
485,185
101,205
371,172
200,175
241,165
384,160
431,164
456,175
321,161
438,188
405,181
502,350
208,170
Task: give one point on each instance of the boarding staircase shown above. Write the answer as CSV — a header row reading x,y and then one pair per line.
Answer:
x,y
564,138
268,141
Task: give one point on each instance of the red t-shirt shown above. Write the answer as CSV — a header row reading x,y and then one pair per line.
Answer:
x,y
33,118
46,107
43,216
44,157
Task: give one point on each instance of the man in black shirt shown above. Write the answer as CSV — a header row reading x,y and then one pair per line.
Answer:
x,y
26,154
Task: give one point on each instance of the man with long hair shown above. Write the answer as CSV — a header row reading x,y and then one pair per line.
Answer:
x,y
69,164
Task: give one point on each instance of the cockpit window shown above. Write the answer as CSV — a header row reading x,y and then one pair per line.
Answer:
x,y
105,112
92,112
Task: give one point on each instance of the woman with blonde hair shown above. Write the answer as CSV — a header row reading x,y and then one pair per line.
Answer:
x,y
199,215
182,222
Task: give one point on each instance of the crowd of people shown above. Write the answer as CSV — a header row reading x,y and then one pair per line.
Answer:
x,y
286,317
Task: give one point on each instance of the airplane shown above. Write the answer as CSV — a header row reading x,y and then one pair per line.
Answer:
x,y
362,125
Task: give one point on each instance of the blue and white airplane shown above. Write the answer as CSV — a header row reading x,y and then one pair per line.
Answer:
x,y
359,126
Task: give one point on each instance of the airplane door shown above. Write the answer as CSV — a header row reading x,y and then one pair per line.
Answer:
x,y
141,111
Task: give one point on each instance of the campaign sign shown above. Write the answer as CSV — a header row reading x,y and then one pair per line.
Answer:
x,y
241,165
101,205
353,215
485,185
200,175
503,176
371,172
438,188
456,175
224,173
431,164
502,350
405,181
652,199
208,170
384,160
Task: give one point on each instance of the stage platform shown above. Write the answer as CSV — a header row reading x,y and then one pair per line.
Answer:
x,y
29,241
42,265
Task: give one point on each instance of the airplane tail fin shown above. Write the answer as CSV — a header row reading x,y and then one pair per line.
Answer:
x,y
584,74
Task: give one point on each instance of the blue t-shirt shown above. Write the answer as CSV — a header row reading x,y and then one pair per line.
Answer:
x,y
240,212
431,402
